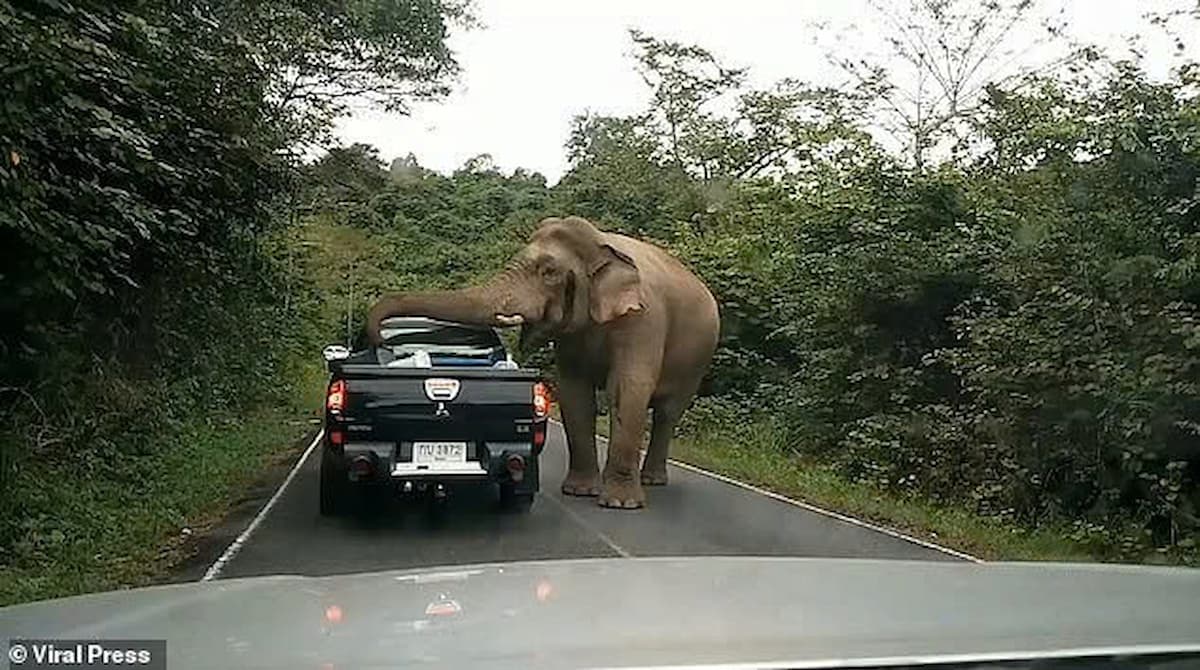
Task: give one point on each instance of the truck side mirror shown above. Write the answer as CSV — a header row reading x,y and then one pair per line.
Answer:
x,y
335,352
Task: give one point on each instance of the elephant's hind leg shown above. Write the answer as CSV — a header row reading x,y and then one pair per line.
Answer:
x,y
666,416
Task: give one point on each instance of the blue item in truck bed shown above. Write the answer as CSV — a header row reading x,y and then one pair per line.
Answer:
x,y
454,361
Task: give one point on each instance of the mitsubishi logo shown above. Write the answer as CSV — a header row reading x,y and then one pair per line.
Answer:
x,y
441,391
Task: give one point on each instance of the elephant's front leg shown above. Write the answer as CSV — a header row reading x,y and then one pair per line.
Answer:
x,y
577,399
630,402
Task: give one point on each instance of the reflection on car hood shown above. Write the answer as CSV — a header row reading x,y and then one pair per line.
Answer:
x,y
621,612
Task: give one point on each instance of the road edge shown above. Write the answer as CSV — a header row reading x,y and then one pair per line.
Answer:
x,y
891,532
234,547
845,518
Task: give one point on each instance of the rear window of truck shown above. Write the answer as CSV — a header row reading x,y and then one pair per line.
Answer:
x,y
404,337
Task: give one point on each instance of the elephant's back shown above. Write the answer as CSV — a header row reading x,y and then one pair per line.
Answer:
x,y
684,285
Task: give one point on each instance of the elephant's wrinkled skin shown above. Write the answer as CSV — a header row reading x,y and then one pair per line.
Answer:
x,y
624,315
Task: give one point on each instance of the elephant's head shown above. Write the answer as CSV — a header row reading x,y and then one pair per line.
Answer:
x,y
565,279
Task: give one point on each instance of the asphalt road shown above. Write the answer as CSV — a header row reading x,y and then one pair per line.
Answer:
x,y
693,515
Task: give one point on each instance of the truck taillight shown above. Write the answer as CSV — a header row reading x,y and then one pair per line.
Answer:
x,y
335,398
541,400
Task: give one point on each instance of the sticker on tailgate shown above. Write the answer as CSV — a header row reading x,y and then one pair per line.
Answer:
x,y
441,389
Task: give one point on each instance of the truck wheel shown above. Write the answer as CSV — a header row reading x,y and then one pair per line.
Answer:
x,y
514,501
334,487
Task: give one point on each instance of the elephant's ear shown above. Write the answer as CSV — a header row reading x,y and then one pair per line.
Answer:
x,y
616,287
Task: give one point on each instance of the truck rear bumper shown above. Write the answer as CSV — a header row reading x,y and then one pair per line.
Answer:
x,y
462,470
490,464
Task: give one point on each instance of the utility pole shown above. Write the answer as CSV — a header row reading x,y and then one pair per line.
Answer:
x,y
349,306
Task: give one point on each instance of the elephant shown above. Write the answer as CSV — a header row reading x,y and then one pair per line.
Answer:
x,y
623,315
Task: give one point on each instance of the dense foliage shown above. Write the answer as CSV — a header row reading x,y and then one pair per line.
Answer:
x,y
371,229
148,161
1015,330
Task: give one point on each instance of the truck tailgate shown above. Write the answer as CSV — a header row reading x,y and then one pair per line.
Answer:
x,y
392,404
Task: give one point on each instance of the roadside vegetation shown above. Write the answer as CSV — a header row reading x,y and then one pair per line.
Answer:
x,y
716,439
972,305
159,342
956,298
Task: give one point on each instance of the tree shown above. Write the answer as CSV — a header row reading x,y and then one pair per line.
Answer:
x,y
481,164
940,58
148,141
343,177
405,168
702,131
683,80
617,175
1178,23
319,56
146,152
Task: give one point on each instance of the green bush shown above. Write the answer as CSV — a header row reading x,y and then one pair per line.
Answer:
x,y
151,287
1015,332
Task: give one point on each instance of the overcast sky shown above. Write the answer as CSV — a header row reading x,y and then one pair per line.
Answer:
x,y
535,64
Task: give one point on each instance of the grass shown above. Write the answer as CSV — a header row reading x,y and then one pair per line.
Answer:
x,y
754,456
756,462
108,533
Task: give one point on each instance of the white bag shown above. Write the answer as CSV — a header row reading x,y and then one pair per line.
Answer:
x,y
419,359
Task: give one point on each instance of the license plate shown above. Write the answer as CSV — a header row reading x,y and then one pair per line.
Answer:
x,y
439,452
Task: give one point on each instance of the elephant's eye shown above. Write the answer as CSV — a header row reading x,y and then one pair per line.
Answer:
x,y
550,273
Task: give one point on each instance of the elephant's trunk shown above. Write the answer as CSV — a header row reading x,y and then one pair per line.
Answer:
x,y
477,305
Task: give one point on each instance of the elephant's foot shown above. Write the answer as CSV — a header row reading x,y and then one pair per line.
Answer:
x,y
654,477
622,493
581,484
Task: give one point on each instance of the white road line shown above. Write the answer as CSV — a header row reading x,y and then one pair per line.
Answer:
x,y
824,512
621,551
234,547
818,510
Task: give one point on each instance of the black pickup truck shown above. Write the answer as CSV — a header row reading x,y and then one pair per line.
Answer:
x,y
437,404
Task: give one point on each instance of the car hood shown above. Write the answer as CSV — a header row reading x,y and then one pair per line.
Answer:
x,y
626,612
